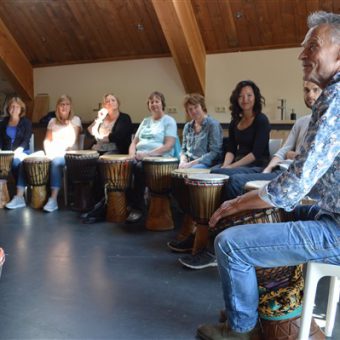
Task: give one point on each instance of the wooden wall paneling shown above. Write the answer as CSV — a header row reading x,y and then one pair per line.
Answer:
x,y
229,23
264,22
241,23
15,65
183,36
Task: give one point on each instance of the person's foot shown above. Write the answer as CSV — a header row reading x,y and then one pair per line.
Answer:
x,y
134,216
201,260
16,202
98,211
51,205
222,331
182,246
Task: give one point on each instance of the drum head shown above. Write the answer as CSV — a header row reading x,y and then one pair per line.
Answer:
x,y
6,153
183,173
160,159
115,158
82,152
36,159
208,178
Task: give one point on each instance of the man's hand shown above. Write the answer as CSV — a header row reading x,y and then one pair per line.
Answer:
x,y
226,208
291,155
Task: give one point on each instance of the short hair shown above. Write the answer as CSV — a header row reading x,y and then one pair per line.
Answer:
x,y
159,95
110,94
235,108
326,18
195,99
62,98
19,101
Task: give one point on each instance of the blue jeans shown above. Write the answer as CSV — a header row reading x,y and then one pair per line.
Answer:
x,y
19,172
200,166
242,248
56,174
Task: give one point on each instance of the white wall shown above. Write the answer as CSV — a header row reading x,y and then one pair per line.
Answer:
x,y
277,72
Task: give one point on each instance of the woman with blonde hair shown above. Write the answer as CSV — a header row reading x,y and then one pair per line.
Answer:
x,y
61,135
15,135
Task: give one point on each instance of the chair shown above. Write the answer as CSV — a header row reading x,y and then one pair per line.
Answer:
x,y
32,143
315,271
274,145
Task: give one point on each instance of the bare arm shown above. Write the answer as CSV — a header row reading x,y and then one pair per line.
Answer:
x,y
247,159
228,159
132,147
272,164
249,201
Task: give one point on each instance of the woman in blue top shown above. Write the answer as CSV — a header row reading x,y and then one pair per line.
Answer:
x,y
15,135
202,137
156,136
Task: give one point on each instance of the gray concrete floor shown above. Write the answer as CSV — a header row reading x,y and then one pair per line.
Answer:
x,y
66,280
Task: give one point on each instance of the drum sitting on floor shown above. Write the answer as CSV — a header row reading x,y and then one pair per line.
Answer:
x,y
158,179
181,194
81,168
37,174
205,192
280,288
6,158
116,173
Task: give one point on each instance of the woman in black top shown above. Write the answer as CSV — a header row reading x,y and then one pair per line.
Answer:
x,y
248,131
15,135
112,129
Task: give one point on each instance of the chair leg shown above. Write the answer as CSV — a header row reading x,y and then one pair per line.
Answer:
x,y
311,282
333,298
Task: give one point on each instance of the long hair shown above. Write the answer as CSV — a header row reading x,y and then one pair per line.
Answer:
x,y
62,98
19,101
236,111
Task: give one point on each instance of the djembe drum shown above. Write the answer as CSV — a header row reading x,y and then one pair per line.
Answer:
x,y
280,288
158,179
37,171
181,195
6,158
205,191
81,168
116,173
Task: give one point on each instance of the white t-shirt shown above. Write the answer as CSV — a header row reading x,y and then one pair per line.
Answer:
x,y
63,136
151,133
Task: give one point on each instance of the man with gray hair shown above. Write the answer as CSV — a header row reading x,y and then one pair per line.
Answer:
x,y
315,232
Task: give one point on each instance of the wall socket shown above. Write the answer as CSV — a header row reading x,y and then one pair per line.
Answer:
x,y
172,109
220,109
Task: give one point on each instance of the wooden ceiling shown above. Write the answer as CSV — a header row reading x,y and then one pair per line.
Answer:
x,y
52,32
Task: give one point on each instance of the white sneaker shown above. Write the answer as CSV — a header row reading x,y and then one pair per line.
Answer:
x,y
51,205
16,202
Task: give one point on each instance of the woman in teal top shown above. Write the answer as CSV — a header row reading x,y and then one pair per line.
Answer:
x,y
156,136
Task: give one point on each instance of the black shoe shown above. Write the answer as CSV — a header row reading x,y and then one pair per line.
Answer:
x,y
182,246
201,260
91,220
96,207
99,211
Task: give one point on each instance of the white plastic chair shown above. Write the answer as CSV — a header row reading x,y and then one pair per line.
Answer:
x,y
315,271
32,143
274,145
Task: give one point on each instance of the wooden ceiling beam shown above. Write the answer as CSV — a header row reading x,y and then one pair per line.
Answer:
x,y
184,39
15,65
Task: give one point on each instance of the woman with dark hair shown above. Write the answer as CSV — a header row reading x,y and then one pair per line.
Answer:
x,y
247,152
248,131
202,136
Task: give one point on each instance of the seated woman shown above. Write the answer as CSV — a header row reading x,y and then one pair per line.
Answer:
x,y
247,151
156,136
247,148
15,135
202,137
62,135
112,129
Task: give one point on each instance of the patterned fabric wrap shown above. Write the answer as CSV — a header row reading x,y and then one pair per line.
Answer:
x,y
280,288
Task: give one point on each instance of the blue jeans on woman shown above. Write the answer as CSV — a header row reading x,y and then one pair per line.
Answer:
x,y
242,248
56,172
